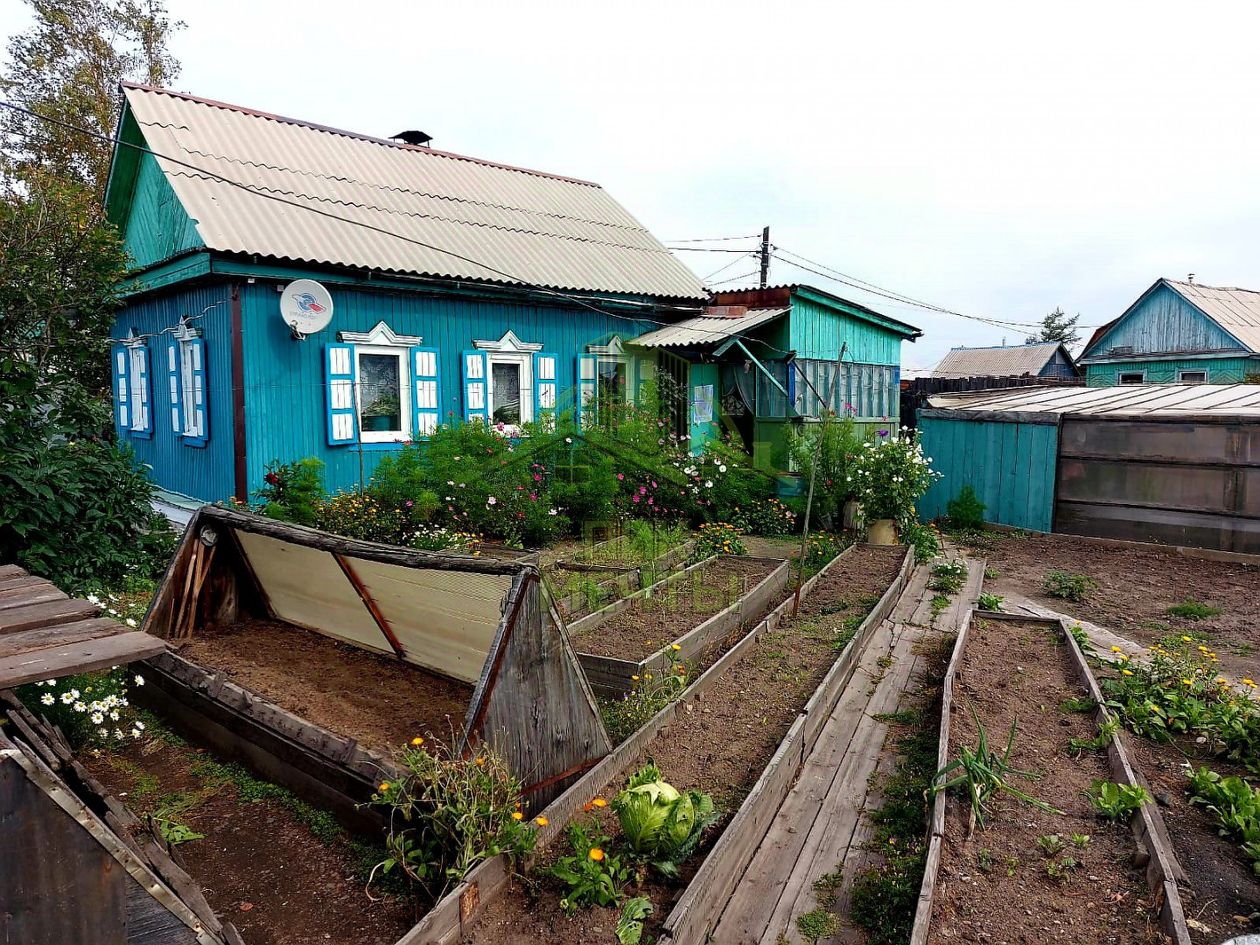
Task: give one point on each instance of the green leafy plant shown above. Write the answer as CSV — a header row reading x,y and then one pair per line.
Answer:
x,y
818,923
1060,868
1068,586
990,602
293,492
1099,742
592,875
983,772
1080,840
1236,806
1051,844
648,694
175,833
660,824
948,577
718,538
924,539
629,929
891,474
1078,704
447,813
965,510
1192,610
1116,801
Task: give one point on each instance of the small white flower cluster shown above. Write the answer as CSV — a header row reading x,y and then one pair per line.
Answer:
x,y
101,712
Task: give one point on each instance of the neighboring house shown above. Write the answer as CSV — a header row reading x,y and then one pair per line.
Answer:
x,y
770,356
458,288
1049,359
1178,333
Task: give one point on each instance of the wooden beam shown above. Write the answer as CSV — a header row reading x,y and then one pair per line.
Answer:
x,y
370,603
48,614
82,657
15,644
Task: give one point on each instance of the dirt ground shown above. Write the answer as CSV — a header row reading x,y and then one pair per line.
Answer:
x,y
651,622
260,867
720,746
996,886
381,702
1136,587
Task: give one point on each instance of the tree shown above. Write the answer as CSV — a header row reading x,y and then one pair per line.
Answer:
x,y
1057,327
68,66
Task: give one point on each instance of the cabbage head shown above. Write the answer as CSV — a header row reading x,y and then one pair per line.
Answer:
x,y
660,824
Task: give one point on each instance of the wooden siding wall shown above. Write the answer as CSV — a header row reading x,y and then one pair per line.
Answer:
x,y
1219,370
1164,322
158,227
284,379
1010,465
202,472
817,331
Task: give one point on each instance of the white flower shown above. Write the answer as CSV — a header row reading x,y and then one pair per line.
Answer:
x,y
118,733
66,698
721,467
47,698
80,707
135,733
139,680
568,439
139,726
130,622
104,732
492,501
51,682
97,718
113,716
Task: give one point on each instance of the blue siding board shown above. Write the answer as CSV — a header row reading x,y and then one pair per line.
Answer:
x,y
817,331
204,472
1162,323
1010,465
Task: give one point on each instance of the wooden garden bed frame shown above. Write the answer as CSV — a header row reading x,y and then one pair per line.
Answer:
x,y
695,914
610,676
1148,828
626,580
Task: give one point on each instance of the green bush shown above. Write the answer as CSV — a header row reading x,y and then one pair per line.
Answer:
x,y
1068,586
965,510
923,539
828,450
293,492
891,475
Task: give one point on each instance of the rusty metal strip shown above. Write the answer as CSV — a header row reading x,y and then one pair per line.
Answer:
x,y
369,602
579,768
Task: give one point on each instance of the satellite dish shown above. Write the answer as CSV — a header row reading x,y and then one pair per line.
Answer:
x,y
306,307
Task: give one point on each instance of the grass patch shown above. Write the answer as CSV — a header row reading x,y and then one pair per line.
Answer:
x,y
1191,609
817,923
1068,586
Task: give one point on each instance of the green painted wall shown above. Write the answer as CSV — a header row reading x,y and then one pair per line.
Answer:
x,y
1010,465
158,228
817,331
1220,370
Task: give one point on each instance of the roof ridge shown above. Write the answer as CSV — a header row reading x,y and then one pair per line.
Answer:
x,y
328,129
1218,288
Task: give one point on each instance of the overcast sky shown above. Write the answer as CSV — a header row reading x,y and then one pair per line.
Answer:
x,y
984,157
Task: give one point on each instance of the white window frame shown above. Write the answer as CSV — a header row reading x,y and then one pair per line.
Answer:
x,y
1202,372
510,350
403,355
139,382
189,392
1120,375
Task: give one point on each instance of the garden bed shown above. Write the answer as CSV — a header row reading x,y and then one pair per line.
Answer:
x,y
1137,584
583,586
377,700
1028,874
694,611
725,736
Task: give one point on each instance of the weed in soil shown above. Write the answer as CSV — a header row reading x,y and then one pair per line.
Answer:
x,y
1191,609
817,924
1078,704
1068,586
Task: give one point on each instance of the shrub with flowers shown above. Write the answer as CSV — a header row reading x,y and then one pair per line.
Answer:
x,y
718,538
447,813
821,547
91,709
890,475
293,492
768,517
828,450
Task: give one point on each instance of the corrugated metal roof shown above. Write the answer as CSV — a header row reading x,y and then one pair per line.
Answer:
x,y
1130,400
541,229
706,329
1235,310
1014,361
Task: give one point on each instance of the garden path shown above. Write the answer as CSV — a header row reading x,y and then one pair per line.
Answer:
x,y
820,828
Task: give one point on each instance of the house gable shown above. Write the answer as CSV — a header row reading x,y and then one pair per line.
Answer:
x,y
1161,322
819,323
143,205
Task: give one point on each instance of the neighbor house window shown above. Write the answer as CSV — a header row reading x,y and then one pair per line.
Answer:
x,y
1192,377
1131,377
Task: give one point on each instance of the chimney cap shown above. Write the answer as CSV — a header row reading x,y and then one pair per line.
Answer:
x,y
412,137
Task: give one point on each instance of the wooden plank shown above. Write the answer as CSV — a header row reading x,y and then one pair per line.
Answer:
x,y
11,571
30,641
82,657
33,593
17,583
47,614
370,603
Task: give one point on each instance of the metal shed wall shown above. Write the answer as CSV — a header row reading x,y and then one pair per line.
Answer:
x,y
1010,464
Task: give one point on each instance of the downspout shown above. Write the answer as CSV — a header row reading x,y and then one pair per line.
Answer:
x,y
240,470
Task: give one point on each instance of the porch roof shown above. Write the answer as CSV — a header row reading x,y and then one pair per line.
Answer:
x,y
707,329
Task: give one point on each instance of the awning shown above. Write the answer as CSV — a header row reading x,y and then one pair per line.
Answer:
x,y
706,330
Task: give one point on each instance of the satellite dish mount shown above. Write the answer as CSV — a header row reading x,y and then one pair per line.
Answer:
x,y
306,307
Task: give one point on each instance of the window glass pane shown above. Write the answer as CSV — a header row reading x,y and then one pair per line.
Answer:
x,y
612,382
379,388
506,395
1134,378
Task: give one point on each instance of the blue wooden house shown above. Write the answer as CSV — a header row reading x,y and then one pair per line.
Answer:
x,y
1178,333
457,288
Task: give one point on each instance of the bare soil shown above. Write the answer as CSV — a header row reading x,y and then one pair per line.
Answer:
x,y
995,885
650,623
1136,588
261,868
720,746
380,701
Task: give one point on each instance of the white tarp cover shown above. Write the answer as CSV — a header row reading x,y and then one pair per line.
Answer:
x,y
444,620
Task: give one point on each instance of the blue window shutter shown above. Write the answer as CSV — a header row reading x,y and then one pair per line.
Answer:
x,y
173,386
473,366
587,390
196,414
120,368
546,386
426,404
142,393
339,381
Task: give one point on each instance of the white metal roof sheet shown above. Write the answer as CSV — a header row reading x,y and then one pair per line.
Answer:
x,y
1013,361
1235,310
426,211
706,329
1128,400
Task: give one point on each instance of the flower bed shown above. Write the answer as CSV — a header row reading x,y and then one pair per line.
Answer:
x,y
678,619
1036,857
717,738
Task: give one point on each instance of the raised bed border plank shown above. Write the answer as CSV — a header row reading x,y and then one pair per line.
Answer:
x,y
1148,827
628,579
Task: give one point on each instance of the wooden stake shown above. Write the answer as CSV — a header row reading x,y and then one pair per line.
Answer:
x,y
202,571
193,558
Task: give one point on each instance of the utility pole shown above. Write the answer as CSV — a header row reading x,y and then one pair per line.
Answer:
x,y
765,256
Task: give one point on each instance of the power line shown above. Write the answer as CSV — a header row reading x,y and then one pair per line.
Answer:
x,y
733,262
703,249
715,239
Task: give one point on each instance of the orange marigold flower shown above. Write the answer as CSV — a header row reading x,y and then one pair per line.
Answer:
x,y
596,854
599,802
517,815
384,786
